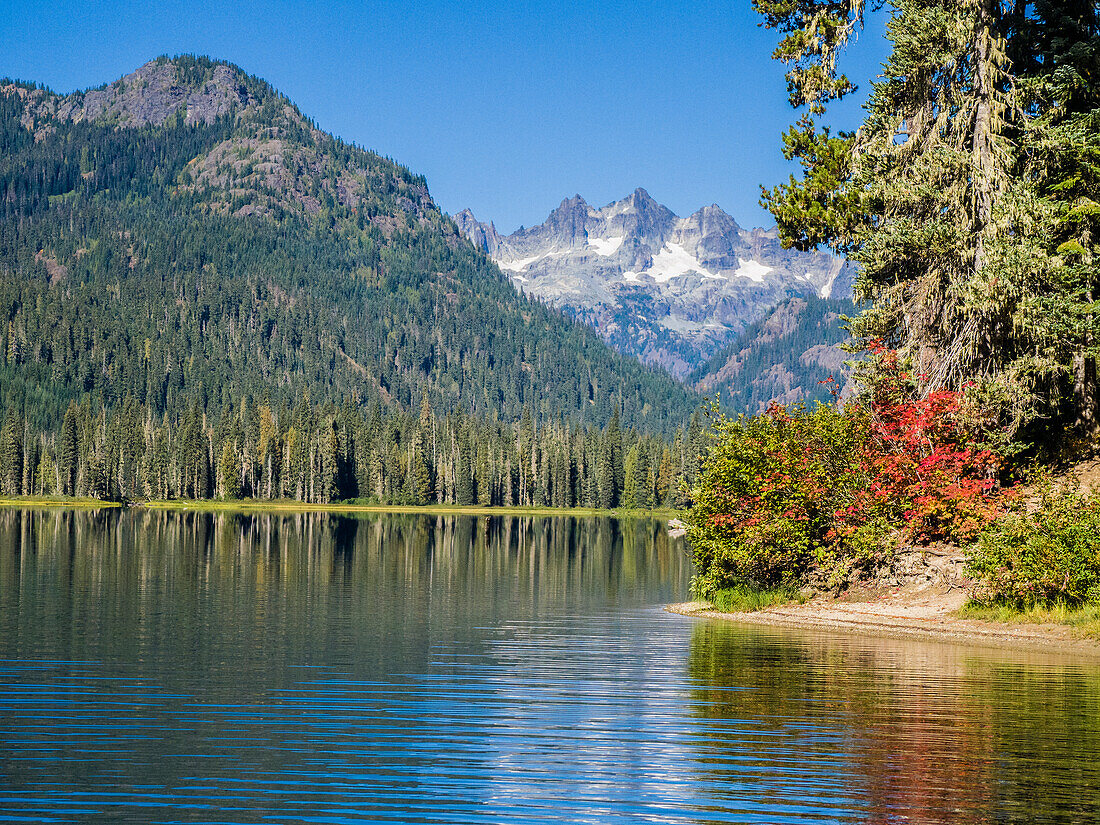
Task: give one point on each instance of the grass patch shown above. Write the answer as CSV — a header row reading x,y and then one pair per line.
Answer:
x,y
1083,619
745,599
54,501
252,505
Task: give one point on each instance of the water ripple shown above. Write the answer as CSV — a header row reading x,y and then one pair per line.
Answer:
x,y
521,674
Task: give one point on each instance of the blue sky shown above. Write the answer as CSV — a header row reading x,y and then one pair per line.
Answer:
x,y
506,108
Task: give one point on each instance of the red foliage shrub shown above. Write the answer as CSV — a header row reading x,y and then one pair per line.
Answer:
x,y
925,457
833,490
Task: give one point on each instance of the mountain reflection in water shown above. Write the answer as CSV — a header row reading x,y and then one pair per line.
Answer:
x,y
198,667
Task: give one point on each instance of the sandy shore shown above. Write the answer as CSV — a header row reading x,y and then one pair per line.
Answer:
x,y
926,616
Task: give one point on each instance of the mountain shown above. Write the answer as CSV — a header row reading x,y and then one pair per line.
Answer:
x,y
185,238
670,290
787,357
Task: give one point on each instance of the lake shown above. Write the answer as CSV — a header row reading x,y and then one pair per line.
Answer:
x,y
229,668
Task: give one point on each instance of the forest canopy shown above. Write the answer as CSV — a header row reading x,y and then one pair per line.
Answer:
x,y
969,196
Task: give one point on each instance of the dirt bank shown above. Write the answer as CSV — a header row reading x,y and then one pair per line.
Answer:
x,y
917,601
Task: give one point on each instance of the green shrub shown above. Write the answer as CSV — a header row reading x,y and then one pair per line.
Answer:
x,y
822,496
744,599
768,496
1050,555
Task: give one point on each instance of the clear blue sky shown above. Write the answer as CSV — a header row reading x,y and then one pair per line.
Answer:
x,y
505,108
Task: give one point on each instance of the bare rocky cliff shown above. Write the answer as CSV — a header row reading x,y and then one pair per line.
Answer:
x,y
670,290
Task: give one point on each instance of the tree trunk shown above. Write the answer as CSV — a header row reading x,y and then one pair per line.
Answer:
x,y
982,156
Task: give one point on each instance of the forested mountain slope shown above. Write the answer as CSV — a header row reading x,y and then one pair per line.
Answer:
x,y
185,238
784,357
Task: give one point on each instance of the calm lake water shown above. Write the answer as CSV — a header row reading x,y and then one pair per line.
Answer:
x,y
170,667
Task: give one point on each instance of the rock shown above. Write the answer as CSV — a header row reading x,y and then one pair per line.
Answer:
x,y
671,290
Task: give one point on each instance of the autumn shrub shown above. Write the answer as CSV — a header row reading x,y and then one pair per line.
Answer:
x,y
769,488
822,496
928,458
1040,553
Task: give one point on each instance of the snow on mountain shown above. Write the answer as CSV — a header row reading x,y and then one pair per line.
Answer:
x,y
670,290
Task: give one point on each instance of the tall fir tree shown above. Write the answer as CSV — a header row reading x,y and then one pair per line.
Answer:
x,y
952,196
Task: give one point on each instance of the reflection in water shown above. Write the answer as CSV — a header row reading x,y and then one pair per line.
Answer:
x,y
312,667
245,591
905,730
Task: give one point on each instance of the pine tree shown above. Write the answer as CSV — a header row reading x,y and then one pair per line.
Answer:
x,y
464,481
68,455
950,194
630,479
229,472
1060,58
422,474
643,472
483,472
11,454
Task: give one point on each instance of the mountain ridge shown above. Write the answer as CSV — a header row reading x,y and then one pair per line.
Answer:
x,y
669,290
186,233
786,357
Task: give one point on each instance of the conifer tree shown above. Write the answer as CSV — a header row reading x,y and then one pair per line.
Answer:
x,y
229,472
630,479
950,193
68,454
11,454
643,472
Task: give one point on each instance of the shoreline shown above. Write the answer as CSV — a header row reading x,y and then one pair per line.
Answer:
x,y
71,503
210,505
929,618
400,509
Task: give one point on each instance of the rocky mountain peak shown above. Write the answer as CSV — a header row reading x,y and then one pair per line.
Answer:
x,y
483,236
639,217
669,290
264,157
712,220
567,224
198,89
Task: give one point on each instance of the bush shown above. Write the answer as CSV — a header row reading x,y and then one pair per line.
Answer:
x,y
748,600
768,494
824,495
1048,556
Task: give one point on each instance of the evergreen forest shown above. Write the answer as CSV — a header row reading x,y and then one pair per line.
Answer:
x,y
203,294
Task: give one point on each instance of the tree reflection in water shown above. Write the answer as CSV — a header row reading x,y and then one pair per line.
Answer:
x,y
908,731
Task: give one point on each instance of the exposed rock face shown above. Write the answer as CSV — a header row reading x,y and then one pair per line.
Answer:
x,y
272,160
670,290
149,96
483,236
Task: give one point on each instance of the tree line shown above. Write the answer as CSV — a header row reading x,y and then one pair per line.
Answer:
x,y
321,453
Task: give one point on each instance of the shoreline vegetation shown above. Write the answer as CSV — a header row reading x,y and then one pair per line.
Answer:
x,y
776,532
941,492
58,501
290,506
